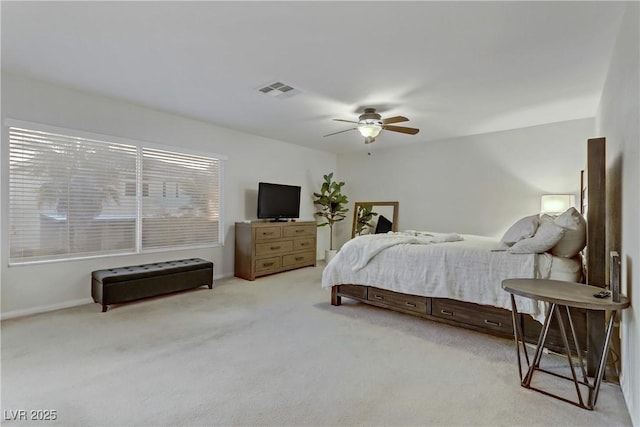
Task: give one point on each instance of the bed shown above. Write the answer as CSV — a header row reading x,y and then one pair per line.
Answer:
x,y
456,279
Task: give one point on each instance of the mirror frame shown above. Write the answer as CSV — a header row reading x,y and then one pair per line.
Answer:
x,y
394,225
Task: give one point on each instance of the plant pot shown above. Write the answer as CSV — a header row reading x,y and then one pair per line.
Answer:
x,y
329,254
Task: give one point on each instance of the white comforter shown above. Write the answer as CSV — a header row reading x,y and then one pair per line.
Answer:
x,y
359,251
471,269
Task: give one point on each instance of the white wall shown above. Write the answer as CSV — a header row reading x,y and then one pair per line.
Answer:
x,y
32,288
478,184
617,119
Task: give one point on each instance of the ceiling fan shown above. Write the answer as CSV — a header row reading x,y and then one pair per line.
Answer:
x,y
370,124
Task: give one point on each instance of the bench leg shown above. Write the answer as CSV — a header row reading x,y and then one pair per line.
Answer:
x,y
210,285
104,308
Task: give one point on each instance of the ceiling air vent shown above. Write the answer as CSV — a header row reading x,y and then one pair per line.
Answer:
x,y
278,90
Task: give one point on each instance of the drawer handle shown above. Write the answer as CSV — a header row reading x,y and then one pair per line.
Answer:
x,y
448,313
410,304
299,258
299,231
304,244
267,234
273,248
267,264
492,323
376,296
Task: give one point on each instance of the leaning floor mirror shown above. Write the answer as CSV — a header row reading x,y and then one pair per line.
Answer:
x,y
374,218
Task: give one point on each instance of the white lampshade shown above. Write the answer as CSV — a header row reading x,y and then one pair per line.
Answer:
x,y
369,128
555,204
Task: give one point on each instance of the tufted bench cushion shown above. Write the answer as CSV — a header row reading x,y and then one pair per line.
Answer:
x,y
122,284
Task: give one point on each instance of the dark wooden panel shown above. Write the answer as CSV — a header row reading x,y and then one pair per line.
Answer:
x,y
596,258
473,314
596,205
397,300
355,291
532,328
481,318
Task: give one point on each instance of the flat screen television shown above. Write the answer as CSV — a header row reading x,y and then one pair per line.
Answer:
x,y
278,201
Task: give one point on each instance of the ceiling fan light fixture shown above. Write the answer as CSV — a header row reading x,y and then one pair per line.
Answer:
x,y
369,128
370,124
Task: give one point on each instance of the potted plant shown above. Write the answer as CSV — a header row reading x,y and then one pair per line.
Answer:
x,y
332,209
363,218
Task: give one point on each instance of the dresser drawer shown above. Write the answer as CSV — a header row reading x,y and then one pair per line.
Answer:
x,y
304,243
272,248
485,316
401,301
299,230
265,265
299,258
263,233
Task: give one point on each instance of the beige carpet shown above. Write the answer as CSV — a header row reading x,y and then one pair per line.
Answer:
x,y
269,352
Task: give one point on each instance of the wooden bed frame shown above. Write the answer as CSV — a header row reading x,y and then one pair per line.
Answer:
x,y
590,325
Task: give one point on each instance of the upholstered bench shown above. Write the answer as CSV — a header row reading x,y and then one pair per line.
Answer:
x,y
116,285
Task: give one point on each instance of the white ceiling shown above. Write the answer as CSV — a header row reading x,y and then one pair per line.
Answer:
x,y
453,68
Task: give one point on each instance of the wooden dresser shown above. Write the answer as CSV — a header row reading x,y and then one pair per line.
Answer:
x,y
272,247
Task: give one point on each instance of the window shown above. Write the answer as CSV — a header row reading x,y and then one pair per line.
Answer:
x,y
192,216
72,197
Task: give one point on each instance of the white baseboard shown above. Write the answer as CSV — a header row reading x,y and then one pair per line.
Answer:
x,y
45,308
222,276
634,410
68,304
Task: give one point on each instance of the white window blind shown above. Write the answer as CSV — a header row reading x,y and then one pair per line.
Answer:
x,y
73,197
181,205
65,196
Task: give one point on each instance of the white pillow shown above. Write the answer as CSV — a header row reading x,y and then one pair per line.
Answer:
x,y
546,237
522,229
547,218
575,234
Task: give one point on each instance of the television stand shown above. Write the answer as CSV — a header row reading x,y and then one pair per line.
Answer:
x,y
263,248
279,220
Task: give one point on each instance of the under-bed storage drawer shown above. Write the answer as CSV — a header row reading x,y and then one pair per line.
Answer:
x,y
355,291
411,303
485,316
532,328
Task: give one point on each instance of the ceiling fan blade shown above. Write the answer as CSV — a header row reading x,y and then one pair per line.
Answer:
x,y
341,120
340,131
395,119
401,129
